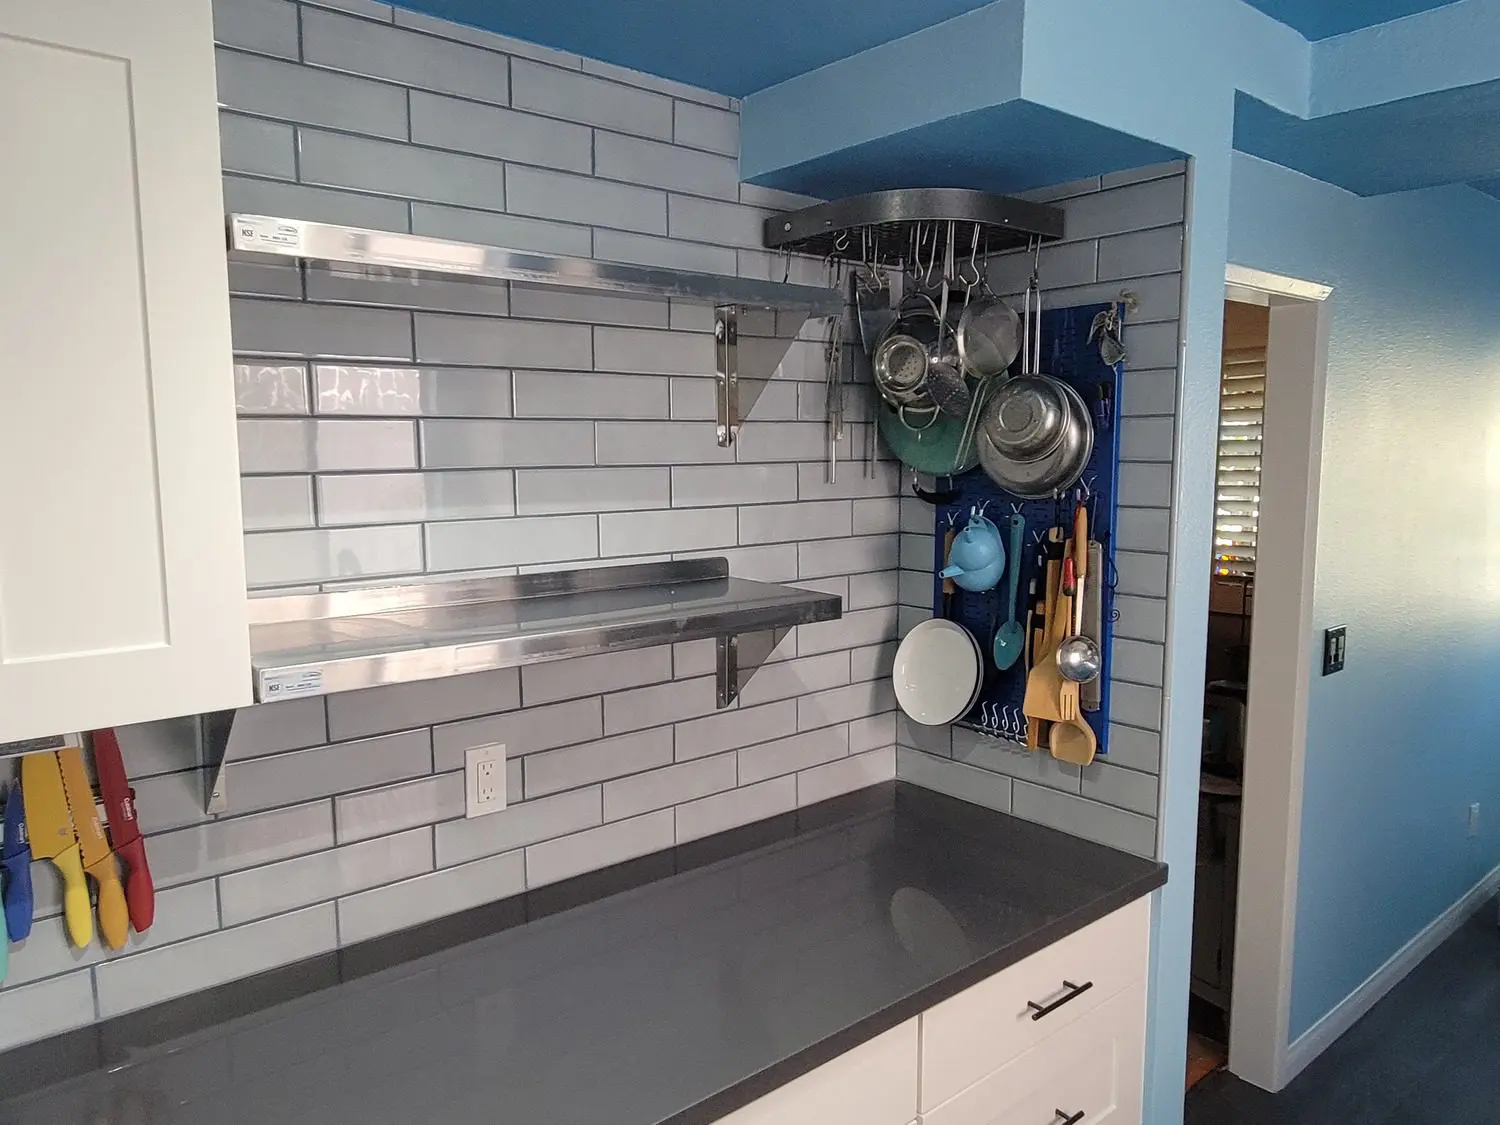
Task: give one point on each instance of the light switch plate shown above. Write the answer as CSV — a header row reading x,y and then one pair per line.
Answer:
x,y
1334,641
484,779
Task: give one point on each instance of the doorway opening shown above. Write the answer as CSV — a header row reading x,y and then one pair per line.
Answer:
x,y
1257,675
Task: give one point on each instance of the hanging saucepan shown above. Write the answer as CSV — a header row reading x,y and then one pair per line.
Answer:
x,y
1054,471
899,364
988,336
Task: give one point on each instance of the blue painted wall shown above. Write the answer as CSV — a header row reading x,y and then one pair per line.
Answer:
x,y
1408,735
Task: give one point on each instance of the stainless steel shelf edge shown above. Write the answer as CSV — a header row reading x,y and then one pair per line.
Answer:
x,y
316,644
300,238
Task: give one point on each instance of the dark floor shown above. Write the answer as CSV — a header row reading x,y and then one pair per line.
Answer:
x,y
1428,1052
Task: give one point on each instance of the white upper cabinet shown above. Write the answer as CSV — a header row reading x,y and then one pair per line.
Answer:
x,y
122,592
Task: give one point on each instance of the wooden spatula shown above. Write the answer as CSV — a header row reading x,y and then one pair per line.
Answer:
x,y
1043,684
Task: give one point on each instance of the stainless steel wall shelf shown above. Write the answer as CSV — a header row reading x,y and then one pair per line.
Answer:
x,y
313,644
746,351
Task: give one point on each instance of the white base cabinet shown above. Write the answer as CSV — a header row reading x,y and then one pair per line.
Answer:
x,y
1058,1037
122,590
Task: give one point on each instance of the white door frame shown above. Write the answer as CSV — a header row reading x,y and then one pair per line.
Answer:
x,y
1281,658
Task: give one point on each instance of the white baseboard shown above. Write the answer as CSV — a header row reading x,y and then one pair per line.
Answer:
x,y
1318,1038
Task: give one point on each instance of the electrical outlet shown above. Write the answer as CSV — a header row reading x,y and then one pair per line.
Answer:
x,y
484,779
1474,819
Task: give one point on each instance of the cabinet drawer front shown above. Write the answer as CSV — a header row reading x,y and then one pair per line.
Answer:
x,y
874,1084
1094,1067
982,1028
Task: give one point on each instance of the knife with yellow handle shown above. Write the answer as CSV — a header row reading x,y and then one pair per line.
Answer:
x,y
51,831
98,860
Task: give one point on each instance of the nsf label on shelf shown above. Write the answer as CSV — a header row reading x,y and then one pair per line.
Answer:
x,y
256,232
289,685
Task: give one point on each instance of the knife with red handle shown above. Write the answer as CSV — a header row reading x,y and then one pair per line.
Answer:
x,y
124,832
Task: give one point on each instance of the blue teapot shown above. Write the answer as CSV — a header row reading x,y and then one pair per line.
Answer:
x,y
977,559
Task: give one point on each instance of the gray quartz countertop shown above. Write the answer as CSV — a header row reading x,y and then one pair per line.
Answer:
x,y
721,971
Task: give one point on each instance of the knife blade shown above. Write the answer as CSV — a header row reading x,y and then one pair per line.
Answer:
x,y
15,862
98,860
124,829
51,831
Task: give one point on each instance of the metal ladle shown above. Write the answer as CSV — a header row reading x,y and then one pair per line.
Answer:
x,y
1078,657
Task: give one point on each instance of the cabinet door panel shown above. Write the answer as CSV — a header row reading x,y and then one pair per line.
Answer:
x,y
121,559
1095,1067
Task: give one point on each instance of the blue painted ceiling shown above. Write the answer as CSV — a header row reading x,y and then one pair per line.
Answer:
x,y
733,47
1320,19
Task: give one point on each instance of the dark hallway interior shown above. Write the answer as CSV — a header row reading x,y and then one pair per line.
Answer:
x,y
1428,1053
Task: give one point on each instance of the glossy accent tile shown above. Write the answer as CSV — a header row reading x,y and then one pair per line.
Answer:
x,y
572,855
289,328
482,544
394,808
459,841
475,444
190,966
276,503
413,901
353,498
270,388
441,391
555,491
594,675
724,811
572,766
292,558
293,883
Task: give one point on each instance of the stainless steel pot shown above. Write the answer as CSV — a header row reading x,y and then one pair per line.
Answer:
x,y
1027,416
1041,477
988,336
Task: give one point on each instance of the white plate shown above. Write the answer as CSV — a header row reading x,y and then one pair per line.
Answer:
x,y
938,672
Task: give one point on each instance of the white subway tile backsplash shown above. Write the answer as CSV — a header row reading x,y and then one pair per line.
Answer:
x,y
957,779
1143,529
639,161
489,228
1134,748
1012,760
1140,662
581,306
472,444
641,80
577,97
643,443
1146,439
424,62
471,340
1090,819
788,755
266,26
562,858
245,841
1141,253
554,491
1155,203
395,808
649,250
355,714
1144,619
871,590
274,503
391,168
663,703
1122,788
730,730
702,486
555,394
651,352
293,883
285,328
355,498
790,523
356,285
294,558
670,785
881,516
1135,705
572,766
872,732
833,779
484,544
325,771
1140,573
853,630
459,841
813,483
710,221
290,92
414,901
1153,345
700,126
270,388
261,148
1148,392
854,555
464,126
318,205
286,445
683,529
581,199
521,732
446,29
776,563
724,811
1145,485
594,675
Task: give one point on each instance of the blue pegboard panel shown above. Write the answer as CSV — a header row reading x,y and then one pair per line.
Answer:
x,y
1068,355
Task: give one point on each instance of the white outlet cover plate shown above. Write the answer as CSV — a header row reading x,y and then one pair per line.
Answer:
x,y
475,758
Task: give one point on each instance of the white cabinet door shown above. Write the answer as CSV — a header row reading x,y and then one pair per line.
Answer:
x,y
874,1084
1091,1073
122,593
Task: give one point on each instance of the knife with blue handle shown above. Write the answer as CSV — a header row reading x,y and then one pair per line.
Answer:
x,y
15,860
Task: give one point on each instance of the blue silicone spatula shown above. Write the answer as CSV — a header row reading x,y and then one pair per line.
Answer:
x,y
1010,638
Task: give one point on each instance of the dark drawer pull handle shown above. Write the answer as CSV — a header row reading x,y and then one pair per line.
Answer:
x,y
1064,1119
1074,992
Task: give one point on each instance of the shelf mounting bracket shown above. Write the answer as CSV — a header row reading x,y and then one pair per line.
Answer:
x,y
740,656
215,737
749,345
